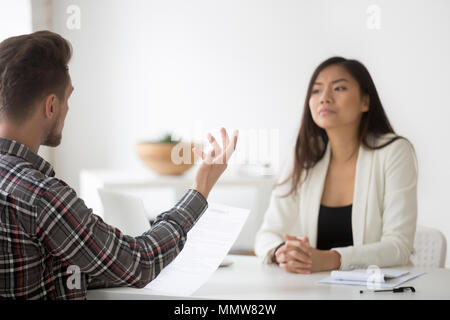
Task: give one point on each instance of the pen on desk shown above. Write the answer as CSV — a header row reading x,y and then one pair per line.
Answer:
x,y
395,290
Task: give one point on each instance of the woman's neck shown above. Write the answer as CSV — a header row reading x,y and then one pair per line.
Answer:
x,y
344,143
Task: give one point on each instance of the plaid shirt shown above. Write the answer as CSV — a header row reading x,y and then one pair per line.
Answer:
x,y
53,247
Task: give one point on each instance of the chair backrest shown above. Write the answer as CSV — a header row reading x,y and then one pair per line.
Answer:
x,y
125,212
430,248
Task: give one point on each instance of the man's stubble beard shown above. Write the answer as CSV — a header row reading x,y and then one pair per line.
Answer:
x,y
54,137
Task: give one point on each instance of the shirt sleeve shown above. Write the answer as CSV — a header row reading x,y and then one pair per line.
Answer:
x,y
71,232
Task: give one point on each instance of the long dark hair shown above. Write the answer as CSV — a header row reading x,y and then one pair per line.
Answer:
x,y
312,140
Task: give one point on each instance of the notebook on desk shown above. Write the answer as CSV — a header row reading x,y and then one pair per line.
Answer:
x,y
381,278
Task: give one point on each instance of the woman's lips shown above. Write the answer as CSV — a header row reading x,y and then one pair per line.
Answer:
x,y
325,111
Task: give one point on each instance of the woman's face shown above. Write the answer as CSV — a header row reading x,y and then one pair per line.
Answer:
x,y
336,99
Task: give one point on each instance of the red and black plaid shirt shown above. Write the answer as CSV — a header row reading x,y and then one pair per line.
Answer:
x,y
53,247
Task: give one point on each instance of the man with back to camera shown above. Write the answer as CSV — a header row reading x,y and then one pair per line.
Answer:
x,y
45,229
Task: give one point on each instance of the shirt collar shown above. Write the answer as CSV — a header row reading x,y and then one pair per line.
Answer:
x,y
18,149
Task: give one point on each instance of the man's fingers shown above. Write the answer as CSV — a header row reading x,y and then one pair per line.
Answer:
x,y
206,157
212,140
225,138
220,155
231,146
235,138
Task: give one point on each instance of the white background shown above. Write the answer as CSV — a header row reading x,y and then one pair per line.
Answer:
x,y
142,67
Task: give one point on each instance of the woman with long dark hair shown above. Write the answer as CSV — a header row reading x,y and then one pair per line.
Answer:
x,y
348,196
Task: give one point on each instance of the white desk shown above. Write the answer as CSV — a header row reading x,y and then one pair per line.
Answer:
x,y
248,279
233,189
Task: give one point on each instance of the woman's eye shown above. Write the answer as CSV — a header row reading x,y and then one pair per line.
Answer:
x,y
340,88
315,91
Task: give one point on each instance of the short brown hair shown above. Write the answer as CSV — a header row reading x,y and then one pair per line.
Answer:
x,y
32,66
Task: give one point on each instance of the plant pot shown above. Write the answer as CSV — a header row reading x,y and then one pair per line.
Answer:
x,y
166,158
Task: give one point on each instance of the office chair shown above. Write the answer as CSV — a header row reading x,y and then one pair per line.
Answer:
x,y
125,212
430,248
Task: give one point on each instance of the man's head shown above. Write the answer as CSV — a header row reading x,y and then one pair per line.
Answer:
x,y
35,83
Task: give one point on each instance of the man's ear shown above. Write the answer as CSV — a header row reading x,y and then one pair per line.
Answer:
x,y
50,106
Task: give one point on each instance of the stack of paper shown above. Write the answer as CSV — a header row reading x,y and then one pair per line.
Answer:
x,y
381,278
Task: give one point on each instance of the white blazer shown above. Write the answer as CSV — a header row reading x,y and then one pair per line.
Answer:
x,y
384,211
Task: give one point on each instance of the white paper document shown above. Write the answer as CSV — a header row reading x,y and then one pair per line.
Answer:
x,y
208,243
380,278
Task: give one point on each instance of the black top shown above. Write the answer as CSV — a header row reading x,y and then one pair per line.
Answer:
x,y
334,227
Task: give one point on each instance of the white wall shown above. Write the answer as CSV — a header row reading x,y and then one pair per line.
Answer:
x,y
142,66
15,18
